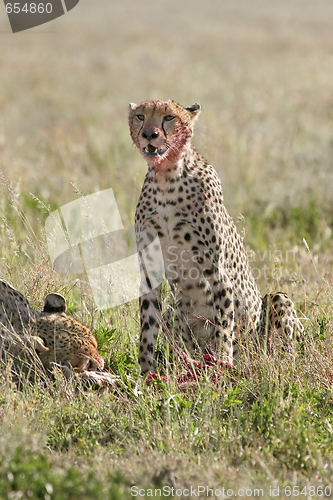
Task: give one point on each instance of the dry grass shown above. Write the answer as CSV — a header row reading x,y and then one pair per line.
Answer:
x,y
263,72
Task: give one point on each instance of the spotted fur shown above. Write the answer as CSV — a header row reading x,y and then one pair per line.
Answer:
x,y
205,262
57,336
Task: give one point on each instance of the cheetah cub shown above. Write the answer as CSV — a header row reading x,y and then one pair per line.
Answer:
x,y
204,258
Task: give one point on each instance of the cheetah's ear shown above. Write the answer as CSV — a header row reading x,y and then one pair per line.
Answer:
x,y
194,110
54,303
132,106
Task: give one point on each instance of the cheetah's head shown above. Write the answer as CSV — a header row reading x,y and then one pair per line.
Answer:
x,y
162,130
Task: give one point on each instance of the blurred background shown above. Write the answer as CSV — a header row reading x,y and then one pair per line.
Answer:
x,y
262,71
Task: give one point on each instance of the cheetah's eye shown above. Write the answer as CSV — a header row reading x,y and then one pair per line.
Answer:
x,y
168,118
140,117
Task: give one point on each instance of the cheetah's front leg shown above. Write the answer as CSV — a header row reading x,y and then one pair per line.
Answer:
x,y
224,334
150,319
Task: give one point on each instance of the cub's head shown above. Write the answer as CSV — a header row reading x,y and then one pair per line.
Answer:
x,y
162,129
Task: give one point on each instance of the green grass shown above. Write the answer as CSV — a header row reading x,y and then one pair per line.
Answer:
x,y
263,73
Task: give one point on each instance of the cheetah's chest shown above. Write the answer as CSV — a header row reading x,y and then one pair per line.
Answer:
x,y
183,268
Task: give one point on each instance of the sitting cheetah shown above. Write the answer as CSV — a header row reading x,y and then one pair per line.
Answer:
x,y
204,258
57,337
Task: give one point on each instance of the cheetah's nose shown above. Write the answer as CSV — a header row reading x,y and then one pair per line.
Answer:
x,y
150,134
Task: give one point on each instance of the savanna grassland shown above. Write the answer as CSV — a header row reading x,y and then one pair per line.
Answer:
x,y
263,73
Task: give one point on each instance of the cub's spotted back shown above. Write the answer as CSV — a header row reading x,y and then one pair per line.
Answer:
x,y
58,337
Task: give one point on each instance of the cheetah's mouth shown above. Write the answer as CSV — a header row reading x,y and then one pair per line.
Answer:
x,y
151,150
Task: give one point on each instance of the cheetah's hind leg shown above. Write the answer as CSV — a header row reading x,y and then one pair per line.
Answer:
x,y
280,320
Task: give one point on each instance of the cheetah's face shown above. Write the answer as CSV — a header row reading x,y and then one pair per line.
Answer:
x,y
162,129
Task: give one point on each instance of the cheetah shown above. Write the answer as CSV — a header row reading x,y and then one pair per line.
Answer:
x,y
58,339
56,336
181,212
